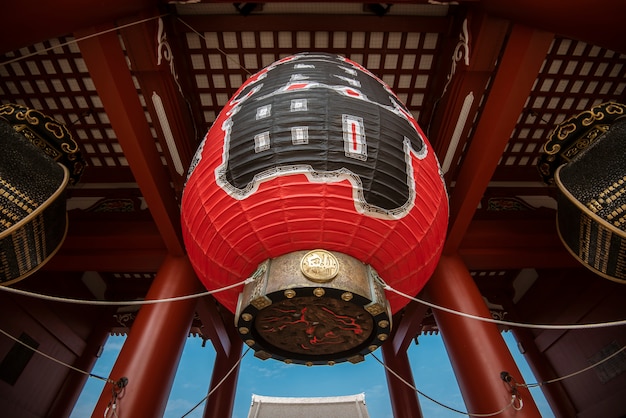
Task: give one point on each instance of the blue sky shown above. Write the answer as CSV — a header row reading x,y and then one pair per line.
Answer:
x,y
429,361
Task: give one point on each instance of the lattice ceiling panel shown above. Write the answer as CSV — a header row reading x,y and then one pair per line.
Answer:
x,y
52,77
221,61
574,77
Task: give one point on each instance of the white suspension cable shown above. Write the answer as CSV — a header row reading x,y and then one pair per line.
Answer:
x,y
218,384
76,40
508,323
557,379
121,303
514,398
228,57
69,366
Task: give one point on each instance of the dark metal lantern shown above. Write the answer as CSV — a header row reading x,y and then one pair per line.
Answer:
x,y
585,160
39,159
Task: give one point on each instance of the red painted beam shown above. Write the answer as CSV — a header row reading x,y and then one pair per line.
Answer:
x,y
111,246
113,261
514,244
555,393
513,259
136,246
408,326
102,235
109,71
152,60
517,71
304,22
598,22
481,47
214,327
26,22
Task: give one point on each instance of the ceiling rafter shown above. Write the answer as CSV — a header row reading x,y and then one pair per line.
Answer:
x,y
480,48
107,65
304,23
524,53
60,17
597,22
136,246
148,49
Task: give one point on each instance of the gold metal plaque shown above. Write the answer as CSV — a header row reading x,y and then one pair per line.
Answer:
x,y
319,266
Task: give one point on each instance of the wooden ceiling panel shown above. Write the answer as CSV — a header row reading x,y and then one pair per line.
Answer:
x,y
52,77
219,62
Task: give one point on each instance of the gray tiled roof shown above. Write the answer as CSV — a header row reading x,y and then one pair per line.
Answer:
x,y
324,407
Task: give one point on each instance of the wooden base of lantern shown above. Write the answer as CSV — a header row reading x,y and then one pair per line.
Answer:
x,y
314,308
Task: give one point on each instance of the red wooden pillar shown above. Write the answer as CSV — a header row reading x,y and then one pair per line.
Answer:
x,y
150,355
404,401
477,351
222,399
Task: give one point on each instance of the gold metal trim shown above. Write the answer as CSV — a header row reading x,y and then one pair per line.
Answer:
x,y
584,263
7,233
584,208
261,302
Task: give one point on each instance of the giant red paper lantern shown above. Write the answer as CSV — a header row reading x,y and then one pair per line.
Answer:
x,y
314,152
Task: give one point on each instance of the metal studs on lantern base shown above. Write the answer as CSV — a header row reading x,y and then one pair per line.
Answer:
x,y
313,308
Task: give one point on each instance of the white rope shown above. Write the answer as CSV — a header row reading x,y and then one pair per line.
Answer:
x,y
514,397
76,40
508,323
232,369
228,57
557,379
121,303
69,366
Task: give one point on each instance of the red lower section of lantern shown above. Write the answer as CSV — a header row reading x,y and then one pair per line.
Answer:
x,y
227,239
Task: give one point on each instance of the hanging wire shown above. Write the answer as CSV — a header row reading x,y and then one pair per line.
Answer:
x,y
122,303
558,379
515,398
69,366
232,369
228,57
526,325
119,385
507,323
76,40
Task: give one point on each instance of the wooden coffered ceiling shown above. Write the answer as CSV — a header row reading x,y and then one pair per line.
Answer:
x,y
139,83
